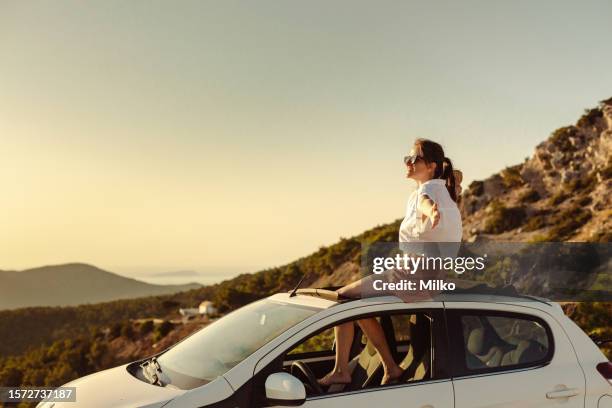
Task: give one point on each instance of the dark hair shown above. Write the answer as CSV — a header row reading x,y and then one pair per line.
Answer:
x,y
432,152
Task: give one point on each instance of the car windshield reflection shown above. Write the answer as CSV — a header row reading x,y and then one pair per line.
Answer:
x,y
218,347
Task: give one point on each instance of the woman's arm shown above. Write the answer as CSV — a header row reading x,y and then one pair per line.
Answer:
x,y
429,209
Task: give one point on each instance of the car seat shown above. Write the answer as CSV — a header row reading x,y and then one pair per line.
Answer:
x,y
525,351
484,353
417,361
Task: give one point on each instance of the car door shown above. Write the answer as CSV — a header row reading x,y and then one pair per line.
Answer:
x,y
511,356
434,391
432,394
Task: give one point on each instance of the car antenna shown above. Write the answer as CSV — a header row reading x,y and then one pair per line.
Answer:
x,y
294,291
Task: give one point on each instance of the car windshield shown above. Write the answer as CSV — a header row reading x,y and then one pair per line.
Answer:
x,y
218,347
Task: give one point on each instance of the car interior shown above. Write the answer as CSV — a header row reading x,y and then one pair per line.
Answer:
x,y
501,341
409,337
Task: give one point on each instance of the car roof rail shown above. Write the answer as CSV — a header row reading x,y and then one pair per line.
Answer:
x,y
503,290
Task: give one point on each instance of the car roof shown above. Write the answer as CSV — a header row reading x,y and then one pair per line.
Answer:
x,y
320,302
303,300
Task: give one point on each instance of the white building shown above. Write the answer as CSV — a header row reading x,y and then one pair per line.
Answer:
x,y
188,312
206,308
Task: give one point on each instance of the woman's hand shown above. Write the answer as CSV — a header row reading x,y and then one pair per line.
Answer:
x,y
429,209
434,215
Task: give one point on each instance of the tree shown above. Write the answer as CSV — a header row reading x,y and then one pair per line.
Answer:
x,y
146,327
11,377
127,331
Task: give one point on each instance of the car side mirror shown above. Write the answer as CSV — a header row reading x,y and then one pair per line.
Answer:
x,y
283,389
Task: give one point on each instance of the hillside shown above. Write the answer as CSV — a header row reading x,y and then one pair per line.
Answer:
x,y
73,284
561,193
338,264
331,265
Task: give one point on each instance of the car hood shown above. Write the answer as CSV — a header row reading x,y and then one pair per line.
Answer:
x,y
115,387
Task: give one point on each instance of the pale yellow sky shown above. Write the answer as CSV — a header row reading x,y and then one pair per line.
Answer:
x,y
143,136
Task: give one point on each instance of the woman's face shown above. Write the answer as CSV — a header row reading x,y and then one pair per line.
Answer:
x,y
419,171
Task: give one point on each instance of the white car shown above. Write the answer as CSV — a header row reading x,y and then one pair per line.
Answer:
x,y
462,350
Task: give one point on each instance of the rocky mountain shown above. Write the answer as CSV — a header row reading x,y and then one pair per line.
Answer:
x,y
563,192
73,284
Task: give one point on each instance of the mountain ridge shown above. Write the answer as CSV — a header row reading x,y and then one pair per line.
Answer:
x,y
72,284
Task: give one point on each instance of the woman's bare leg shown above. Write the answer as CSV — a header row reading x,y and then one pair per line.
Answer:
x,y
373,330
362,288
344,338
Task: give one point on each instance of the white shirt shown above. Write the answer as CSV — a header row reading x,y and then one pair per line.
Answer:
x,y
449,229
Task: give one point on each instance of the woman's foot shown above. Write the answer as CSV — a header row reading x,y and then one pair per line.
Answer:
x,y
391,375
335,377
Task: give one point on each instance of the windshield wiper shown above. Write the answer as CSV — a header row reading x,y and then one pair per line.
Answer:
x,y
151,370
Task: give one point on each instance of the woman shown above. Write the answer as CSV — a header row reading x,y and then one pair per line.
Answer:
x,y
432,217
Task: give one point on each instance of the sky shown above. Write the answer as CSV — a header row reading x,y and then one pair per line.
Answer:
x,y
229,136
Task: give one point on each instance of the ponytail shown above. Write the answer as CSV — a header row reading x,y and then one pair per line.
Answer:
x,y
432,152
449,175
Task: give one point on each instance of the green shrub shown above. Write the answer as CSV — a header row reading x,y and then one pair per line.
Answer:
x,y
560,138
115,330
606,173
535,222
529,196
594,319
539,238
165,327
590,117
476,187
584,184
11,377
170,304
502,218
511,177
584,200
564,225
127,331
567,222
557,198
161,330
146,327
601,236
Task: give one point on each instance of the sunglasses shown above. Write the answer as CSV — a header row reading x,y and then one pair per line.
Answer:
x,y
412,159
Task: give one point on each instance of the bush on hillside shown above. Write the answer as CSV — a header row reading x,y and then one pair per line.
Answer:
x,y
590,117
536,221
146,327
161,330
529,196
511,177
501,218
560,138
127,330
476,187
557,198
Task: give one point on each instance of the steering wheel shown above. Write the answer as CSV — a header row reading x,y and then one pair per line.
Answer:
x,y
312,380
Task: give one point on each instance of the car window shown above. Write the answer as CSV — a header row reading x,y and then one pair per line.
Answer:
x,y
414,341
323,341
410,337
401,327
498,342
